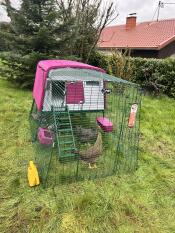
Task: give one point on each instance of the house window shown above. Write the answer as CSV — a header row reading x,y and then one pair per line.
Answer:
x,y
92,83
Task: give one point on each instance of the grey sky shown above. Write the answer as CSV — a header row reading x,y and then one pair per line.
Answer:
x,y
144,8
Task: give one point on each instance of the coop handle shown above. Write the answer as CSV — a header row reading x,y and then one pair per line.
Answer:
x,y
106,91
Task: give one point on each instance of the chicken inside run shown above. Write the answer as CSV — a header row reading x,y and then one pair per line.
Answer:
x,y
84,123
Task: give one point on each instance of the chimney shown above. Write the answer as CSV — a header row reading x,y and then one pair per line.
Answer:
x,y
131,21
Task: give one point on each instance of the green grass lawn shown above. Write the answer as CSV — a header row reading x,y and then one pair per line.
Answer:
x,y
140,202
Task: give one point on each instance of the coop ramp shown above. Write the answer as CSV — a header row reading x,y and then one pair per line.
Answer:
x,y
64,134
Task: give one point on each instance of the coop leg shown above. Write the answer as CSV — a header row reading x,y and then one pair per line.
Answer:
x,y
48,167
31,110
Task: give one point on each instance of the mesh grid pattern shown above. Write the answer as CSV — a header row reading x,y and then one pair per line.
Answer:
x,y
81,148
72,74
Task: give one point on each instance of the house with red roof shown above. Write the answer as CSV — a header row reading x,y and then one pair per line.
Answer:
x,y
155,39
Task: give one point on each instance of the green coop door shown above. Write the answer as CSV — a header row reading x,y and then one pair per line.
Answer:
x,y
74,92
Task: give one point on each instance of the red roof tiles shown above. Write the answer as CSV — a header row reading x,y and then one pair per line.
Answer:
x,y
146,35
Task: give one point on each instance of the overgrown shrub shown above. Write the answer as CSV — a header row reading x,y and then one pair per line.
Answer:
x,y
99,60
120,65
154,75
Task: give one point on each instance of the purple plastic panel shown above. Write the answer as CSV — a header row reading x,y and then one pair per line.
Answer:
x,y
53,64
38,89
105,124
74,92
45,136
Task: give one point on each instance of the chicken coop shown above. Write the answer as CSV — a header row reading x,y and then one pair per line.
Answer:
x,y
84,122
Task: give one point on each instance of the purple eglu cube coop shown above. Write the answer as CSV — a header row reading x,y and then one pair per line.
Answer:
x,y
81,122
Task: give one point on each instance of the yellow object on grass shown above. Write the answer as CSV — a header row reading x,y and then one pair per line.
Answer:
x,y
33,177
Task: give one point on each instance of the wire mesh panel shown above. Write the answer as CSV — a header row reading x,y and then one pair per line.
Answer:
x,y
88,128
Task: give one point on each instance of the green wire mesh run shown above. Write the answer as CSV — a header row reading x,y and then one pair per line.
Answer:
x,y
81,149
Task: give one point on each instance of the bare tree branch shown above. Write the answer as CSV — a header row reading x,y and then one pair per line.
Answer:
x,y
105,18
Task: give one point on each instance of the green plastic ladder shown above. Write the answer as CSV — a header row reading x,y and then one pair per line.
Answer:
x,y
64,134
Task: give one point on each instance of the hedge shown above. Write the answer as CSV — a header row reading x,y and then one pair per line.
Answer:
x,y
155,75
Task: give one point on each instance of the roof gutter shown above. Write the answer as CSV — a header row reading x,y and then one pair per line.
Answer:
x,y
135,48
166,42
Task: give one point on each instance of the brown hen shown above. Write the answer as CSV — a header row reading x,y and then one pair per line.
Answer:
x,y
91,154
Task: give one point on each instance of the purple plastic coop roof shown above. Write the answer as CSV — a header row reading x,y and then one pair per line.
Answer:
x,y
43,67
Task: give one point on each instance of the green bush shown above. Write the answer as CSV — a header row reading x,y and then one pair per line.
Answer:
x,y
154,75
120,65
99,60
20,70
